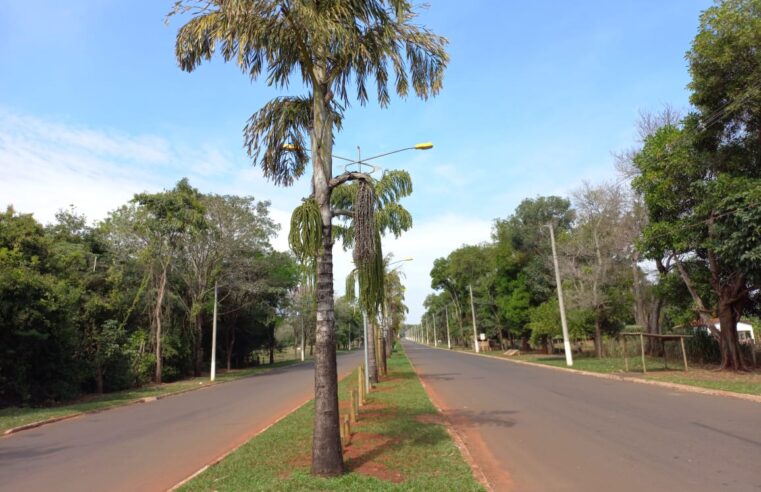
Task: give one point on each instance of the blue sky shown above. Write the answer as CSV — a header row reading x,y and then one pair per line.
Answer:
x,y
537,95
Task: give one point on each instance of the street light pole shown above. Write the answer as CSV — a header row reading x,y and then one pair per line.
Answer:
x,y
563,322
367,360
473,314
435,334
446,313
213,373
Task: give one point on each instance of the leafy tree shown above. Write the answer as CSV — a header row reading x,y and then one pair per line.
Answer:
x,y
38,337
524,276
165,220
596,256
703,206
325,45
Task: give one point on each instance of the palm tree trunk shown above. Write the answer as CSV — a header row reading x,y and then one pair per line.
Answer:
x,y
327,452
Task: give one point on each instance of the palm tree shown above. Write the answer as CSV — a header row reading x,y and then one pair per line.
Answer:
x,y
389,216
330,46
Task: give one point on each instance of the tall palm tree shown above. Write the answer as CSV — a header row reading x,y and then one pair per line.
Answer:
x,y
331,47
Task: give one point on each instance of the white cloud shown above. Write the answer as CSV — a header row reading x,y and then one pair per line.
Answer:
x,y
48,165
45,166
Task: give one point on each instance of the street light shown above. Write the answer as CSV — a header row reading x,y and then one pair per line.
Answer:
x,y
563,322
360,161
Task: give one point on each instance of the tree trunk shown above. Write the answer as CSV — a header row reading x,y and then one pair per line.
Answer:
x,y
731,357
157,320
327,452
598,337
198,345
230,345
654,346
99,378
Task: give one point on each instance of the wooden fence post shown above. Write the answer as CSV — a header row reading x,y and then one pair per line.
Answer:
x,y
352,410
642,351
684,353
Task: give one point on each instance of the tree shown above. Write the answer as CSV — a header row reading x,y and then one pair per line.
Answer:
x,y
236,228
524,275
166,219
327,45
38,339
704,208
596,253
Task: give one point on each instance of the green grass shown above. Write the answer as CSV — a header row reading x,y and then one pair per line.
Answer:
x,y
606,364
389,436
738,383
710,378
11,417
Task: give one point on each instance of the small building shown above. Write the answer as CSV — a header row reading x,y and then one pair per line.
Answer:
x,y
744,330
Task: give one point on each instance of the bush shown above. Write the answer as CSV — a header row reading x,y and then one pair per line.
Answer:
x,y
703,348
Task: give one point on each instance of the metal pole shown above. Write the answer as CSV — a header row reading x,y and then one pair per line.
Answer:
x,y
473,313
367,362
563,322
446,313
435,334
303,332
214,338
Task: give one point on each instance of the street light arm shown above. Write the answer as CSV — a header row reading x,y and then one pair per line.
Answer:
x,y
343,213
348,176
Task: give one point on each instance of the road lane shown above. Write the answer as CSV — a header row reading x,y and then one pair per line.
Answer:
x,y
153,446
557,431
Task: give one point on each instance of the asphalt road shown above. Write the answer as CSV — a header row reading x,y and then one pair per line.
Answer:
x,y
536,429
152,446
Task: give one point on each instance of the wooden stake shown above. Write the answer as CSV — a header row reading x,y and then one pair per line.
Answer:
x,y
346,431
352,411
642,351
684,353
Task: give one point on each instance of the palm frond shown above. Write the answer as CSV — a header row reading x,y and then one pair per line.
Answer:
x,y
279,129
305,235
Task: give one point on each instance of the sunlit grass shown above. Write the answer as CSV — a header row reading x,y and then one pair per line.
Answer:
x,y
421,455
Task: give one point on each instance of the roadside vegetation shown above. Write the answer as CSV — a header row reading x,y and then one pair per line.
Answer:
x,y
11,417
671,246
399,443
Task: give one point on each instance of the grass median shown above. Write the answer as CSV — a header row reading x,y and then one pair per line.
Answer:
x,y
398,443
18,416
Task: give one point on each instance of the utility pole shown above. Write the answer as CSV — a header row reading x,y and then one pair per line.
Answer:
x,y
473,313
446,313
214,338
303,332
563,322
367,361
435,333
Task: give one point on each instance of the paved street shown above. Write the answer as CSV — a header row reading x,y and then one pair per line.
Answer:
x,y
536,429
154,445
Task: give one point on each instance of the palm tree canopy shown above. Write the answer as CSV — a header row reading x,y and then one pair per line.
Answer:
x,y
333,45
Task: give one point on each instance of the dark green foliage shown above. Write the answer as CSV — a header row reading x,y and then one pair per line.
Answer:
x,y
75,299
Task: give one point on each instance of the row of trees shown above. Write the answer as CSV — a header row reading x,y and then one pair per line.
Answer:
x,y
680,245
128,300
